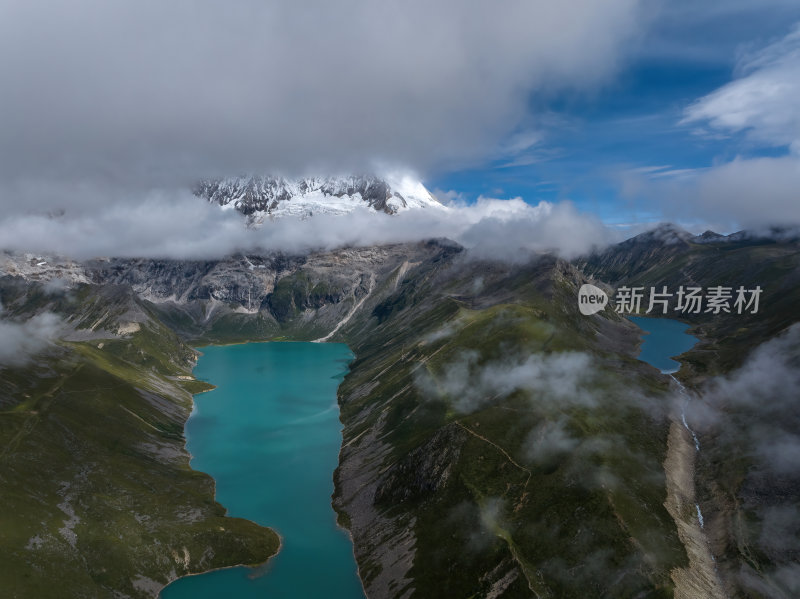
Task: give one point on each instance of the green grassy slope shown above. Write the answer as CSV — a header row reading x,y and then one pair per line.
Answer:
x,y
97,495
510,490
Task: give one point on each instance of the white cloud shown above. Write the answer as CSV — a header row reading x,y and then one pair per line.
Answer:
x,y
19,341
56,286
110,109
746,192
549,440
762,101
183,226
450,197
765,386
508,230
152,93
560,379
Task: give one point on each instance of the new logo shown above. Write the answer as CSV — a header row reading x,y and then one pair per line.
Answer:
x,y
591,299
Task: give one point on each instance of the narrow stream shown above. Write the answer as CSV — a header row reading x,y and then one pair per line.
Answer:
x,y
665,338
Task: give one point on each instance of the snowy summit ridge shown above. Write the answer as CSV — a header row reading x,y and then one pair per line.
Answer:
x,y
259,196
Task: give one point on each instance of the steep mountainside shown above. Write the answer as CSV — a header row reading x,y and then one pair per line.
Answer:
x,y
744,410
496,442
97,496
430,466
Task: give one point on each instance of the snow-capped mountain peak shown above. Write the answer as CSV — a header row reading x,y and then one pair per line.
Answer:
x,y
259,196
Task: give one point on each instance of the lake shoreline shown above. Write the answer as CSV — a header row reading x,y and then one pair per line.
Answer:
x,y
221,568
284,423
191,457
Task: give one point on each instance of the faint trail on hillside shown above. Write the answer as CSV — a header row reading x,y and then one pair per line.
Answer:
x,y
529,576
500,449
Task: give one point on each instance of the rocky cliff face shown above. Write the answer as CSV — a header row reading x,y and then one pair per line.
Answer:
x,y
252,296
239,297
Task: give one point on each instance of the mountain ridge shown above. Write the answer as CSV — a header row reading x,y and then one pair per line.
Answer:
x,y
270,196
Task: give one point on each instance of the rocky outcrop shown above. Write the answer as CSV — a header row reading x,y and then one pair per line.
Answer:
x,y
424,470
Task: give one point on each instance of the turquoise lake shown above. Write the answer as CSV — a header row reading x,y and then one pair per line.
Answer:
x,y
665,338
270,434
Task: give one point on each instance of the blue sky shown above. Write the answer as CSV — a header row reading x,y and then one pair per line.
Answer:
x,y
633,121
623,112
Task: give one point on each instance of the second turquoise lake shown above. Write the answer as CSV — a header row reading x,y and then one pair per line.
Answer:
x,y
665,339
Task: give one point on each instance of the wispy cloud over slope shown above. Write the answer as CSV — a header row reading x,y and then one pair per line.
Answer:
x,y
20,340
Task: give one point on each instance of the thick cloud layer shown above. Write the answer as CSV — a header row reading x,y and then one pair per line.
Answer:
x,y
153,93
184,226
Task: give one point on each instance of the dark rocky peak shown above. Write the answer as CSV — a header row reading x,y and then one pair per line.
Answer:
x,y
663,234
